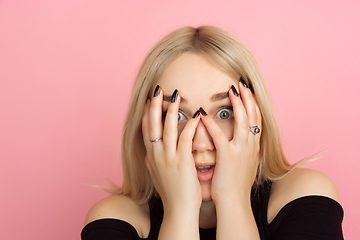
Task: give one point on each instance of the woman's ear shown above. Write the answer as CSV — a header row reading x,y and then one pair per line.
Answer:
x,y
147,163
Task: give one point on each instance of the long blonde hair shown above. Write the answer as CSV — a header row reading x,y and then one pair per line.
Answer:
x,y
227,53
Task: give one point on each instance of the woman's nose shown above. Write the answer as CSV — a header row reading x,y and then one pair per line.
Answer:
x,y
202,141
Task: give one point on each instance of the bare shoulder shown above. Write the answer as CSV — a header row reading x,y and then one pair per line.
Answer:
x,y
298,183
122,208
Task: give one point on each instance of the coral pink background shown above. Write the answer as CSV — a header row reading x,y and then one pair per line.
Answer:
x,y
66,73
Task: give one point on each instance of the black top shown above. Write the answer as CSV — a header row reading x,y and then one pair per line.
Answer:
x,y
310,217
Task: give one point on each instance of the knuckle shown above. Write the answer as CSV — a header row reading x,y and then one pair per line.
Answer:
x,y
252,112
152,127
243,123
172,110
258,114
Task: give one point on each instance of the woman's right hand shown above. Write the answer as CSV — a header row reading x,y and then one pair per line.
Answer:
x,y
170,161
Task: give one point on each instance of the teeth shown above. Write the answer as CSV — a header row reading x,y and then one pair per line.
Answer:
x,y
204,168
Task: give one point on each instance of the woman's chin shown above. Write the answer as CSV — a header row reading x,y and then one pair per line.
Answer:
x,y
206,191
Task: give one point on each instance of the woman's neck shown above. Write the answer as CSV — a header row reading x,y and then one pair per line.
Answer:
x,y
207,218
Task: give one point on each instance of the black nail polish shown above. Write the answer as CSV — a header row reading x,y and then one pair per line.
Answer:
x,y
196,114
174,95
251,88
243,82
157,91
234,91
202,111
147,99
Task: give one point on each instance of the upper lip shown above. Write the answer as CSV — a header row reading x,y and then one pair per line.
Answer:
x,y
202,165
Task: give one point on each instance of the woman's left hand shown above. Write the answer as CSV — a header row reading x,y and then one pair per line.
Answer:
x,y
236,160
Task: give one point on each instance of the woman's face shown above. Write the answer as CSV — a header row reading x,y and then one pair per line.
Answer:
x,y
200,84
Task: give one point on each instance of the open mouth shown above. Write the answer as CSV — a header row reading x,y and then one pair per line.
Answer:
x,y
204,169
205,173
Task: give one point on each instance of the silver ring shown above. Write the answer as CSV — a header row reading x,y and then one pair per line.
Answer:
x,y
255,130
156,140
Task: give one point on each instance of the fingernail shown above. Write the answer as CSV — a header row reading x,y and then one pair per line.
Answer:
x,y
147,100
234,90
157,91
196,114
251,88
243,82
202,111
174,95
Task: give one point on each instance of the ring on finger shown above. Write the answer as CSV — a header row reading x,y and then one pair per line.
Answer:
x,y
255,130
155,139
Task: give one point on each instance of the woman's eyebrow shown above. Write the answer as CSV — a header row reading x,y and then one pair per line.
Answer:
x,y
215,97
219,96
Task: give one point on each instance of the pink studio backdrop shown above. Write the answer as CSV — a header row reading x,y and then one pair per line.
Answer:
x,y
66,73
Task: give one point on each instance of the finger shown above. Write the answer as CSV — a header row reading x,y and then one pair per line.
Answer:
x,y
215,132
187,135
171,124
145,126
259,120
258,113
250,105
241,124
155,115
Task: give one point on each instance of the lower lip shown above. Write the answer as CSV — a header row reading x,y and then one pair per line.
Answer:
x,y
205,176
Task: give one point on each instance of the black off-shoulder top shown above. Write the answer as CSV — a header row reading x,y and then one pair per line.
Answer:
x,y
309,217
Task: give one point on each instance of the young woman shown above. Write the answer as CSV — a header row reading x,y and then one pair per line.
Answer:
x,y
202,157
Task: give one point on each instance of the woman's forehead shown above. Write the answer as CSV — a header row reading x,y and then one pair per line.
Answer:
x,y
193,75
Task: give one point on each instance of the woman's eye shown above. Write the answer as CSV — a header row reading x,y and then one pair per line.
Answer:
x,y
225,114
181,116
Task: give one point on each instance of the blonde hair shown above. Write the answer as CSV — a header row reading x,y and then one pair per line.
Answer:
x,y
229,54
